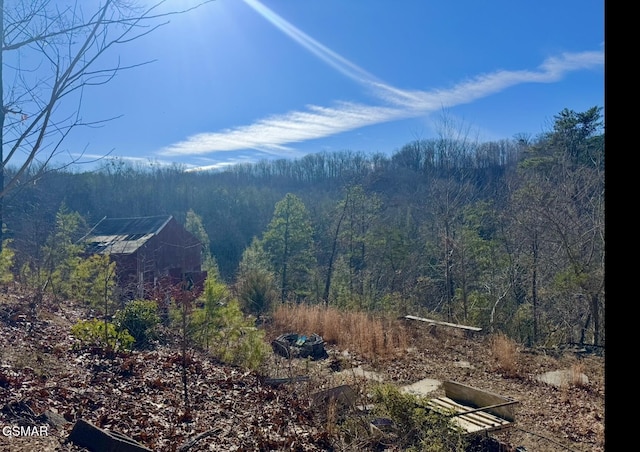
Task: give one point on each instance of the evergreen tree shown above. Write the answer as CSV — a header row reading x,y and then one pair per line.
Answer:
x,y
288,242
255,280
61,255
195,226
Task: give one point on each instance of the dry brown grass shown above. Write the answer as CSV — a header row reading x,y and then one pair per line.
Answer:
x,y
361,332
576,377
505,351
332,418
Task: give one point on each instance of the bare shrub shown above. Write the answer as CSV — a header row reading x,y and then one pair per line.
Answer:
x,y
505,351
332,418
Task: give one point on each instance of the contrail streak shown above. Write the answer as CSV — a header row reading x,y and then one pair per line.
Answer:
x,y
273,134
338,62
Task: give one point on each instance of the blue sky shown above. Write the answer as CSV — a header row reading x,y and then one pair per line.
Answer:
x,y
243,80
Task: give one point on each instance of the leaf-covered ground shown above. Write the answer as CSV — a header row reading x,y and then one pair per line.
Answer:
x,y
141,394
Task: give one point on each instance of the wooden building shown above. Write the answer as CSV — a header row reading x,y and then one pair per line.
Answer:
x,y
149,252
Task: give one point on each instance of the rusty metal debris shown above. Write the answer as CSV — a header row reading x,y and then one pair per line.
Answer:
x,y
293,345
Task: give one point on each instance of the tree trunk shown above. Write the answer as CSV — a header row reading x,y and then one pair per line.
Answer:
x,y
285,258
534,287
448,277
327,285
595,308
2,116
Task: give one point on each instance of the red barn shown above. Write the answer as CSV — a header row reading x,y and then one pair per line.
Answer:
x,y
148,252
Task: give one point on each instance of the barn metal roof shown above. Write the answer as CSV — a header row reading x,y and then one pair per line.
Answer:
x,y
123,235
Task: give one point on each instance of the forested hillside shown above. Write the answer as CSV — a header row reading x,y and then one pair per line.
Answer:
x,y
506,235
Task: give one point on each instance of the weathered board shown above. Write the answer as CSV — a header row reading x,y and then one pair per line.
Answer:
x,y
475,329
477,421
478,398
87,435
474,410
342,395
281,381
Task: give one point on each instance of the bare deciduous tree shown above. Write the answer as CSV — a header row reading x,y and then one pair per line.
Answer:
x,y
51,51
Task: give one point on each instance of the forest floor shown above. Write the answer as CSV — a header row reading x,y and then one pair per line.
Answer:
x,y
45,382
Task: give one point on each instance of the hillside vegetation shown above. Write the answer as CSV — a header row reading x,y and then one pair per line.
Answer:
x,y
507,236
139,393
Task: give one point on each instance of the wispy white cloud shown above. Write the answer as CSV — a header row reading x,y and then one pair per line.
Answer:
x,y
226,159
275,134
272,135
551,70
135,161
213,166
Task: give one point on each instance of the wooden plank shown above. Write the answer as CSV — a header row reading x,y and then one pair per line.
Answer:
x,y
280,381
342,395
471,427
474,410
468,420
438,322
455,409
477,398
87,435
486,408
476,422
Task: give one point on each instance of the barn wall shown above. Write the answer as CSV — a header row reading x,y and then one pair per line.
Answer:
x,y
169,256
176,248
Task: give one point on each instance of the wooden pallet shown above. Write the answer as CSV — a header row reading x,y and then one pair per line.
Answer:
x,y
474,410
471,422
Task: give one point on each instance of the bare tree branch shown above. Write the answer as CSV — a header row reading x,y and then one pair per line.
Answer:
x,y
48,52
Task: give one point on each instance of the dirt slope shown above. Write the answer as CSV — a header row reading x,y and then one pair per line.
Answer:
x,y
548,418
141,395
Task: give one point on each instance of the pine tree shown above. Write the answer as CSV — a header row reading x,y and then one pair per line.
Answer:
x,y
288,242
